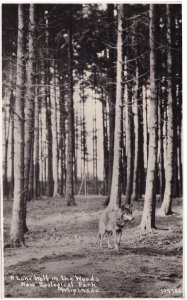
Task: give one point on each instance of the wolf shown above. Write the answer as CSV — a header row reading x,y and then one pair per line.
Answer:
x,y
112,222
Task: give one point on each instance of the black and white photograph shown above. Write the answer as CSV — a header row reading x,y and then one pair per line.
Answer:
x,y
92,150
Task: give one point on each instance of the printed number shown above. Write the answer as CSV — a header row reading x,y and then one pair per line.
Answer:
x,y
171,291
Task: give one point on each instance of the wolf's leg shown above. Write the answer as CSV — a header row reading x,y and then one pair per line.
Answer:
x,y
98,239
101,235
119,234
115,240
108,240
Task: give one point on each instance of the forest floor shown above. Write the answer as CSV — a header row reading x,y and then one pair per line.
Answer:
x,y
62,250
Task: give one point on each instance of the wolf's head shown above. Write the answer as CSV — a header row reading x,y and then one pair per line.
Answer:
x,y
126,213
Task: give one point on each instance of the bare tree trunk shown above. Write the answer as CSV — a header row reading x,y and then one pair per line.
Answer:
x,y
9,152
112,95
36,147
175,155
148,217
29,109
168,193
111,87
12,149
76,153
62,136
54,131
84,151
115,197
180,142
145,126
17,230
49,169
42,121
134,196
129,148
31,175
141,175
7,119
42,146
70,125
105,149
175,135
7,125
129,122
161,144
95,151
4,145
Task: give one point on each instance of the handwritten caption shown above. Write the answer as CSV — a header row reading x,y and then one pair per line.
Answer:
x,y
74,284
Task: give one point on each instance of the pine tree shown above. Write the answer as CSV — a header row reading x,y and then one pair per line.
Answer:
x,y
115,197
36,145
29,109
168,193
17,230
54,129
148,217
70,122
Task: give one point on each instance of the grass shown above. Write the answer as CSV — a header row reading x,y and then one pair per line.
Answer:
x,y
62,241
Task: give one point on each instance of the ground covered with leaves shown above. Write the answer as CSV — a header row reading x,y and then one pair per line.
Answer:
x,y
62,259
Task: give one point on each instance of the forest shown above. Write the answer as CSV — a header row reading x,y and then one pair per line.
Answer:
x,y
92,121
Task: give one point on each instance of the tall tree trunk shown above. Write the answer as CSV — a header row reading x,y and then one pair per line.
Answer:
x,y
70,123
112,94
31,175
131,73
49,169
115,197
62,135
42,153
4,134
129,145
111,74
148,217
168,193
12,149
17,229
180,142
54,130
42,121
141,149
36,146
134,196
83,135
29,109
105,148
161,144
175,136
7,125
165,134
9,152
76,154
7,119
95,150
145,126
